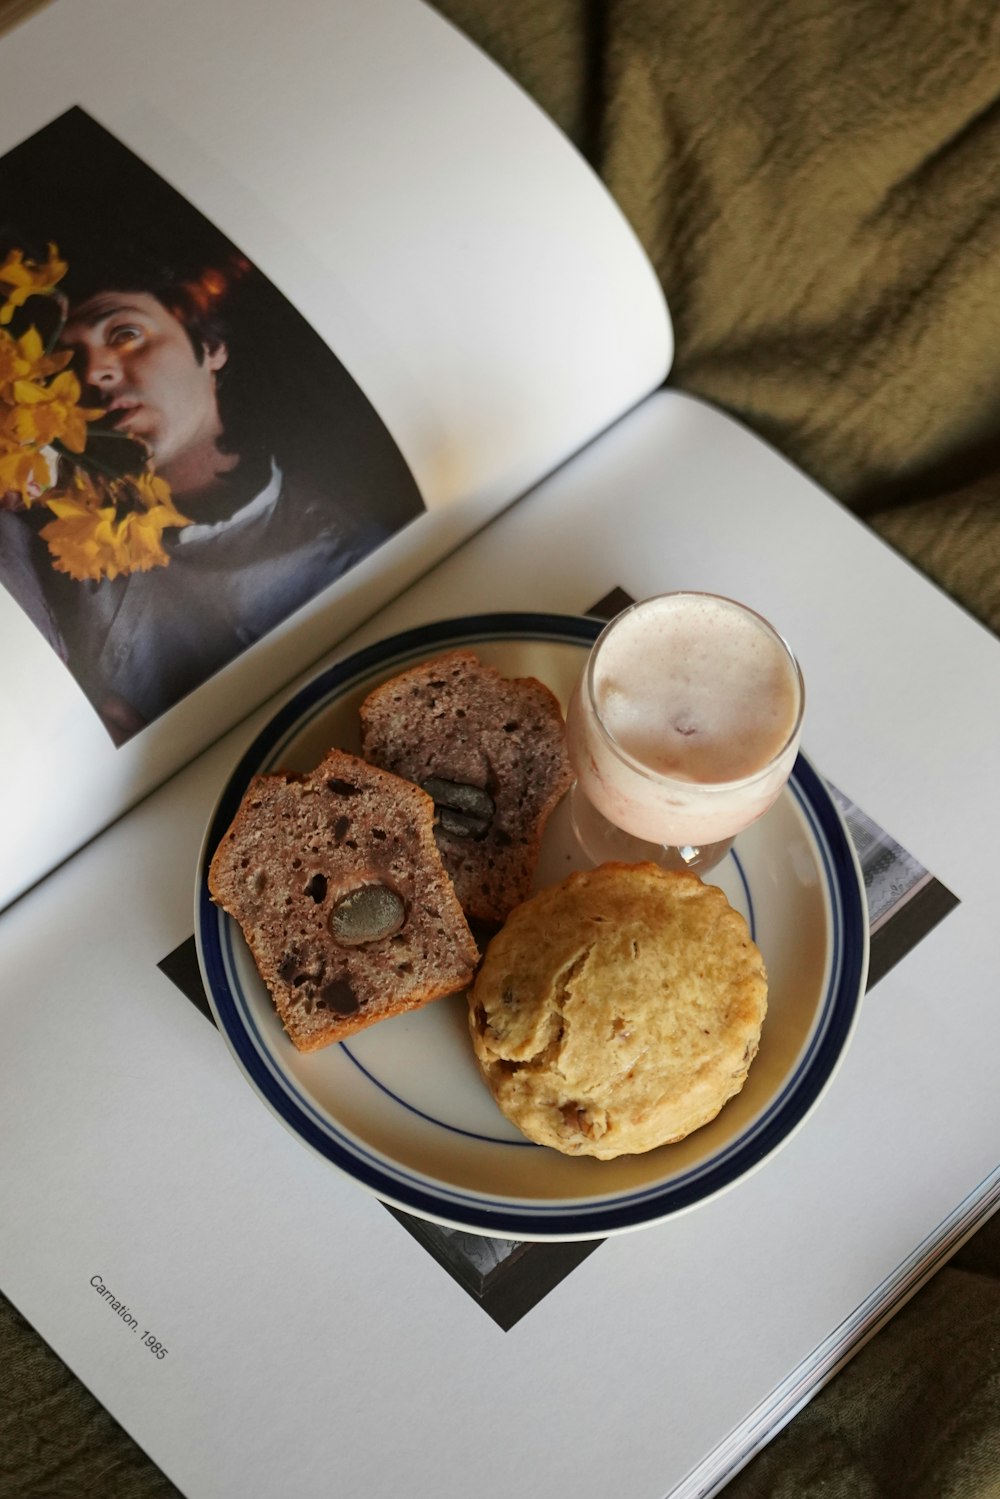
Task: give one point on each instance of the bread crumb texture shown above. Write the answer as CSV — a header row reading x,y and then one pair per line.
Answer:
x,y
618,1010
337,884
491,751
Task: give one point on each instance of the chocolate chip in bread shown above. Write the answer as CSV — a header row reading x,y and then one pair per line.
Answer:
x,y
338,886
491,751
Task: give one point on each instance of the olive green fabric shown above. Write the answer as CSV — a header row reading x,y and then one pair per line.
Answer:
x,y
818,187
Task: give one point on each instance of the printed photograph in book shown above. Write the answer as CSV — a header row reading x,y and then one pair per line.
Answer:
x,y
183,460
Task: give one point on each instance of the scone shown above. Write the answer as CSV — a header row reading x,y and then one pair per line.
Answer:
x,y
338,886
618,1010
491,751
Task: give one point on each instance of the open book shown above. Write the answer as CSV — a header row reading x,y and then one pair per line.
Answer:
x,y
419,299
427,355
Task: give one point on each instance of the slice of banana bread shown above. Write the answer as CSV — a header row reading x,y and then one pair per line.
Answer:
x,y
338,886
491,751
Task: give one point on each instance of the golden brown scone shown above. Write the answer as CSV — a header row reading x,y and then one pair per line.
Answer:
x,y
491,751
338,886
618,1010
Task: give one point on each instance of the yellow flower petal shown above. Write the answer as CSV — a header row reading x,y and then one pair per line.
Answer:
x,y
25,472
28,278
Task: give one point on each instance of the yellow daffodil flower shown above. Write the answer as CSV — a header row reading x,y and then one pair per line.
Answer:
x,y
47,413
90,539
81,539
27,278
25,358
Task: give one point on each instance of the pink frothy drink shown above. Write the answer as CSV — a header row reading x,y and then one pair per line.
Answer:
x,y
685,724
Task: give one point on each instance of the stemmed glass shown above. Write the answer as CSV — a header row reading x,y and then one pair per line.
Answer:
x,y
683,730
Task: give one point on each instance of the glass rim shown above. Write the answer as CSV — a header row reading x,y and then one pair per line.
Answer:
x,y
661,777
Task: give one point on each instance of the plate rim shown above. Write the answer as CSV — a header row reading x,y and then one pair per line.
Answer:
x,y
509,1217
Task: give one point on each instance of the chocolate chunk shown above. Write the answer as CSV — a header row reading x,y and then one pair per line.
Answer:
x,y
317,888
341,788
367,914
338,995
288,966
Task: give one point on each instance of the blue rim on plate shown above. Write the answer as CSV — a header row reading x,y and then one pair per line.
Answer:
x,y
508,1216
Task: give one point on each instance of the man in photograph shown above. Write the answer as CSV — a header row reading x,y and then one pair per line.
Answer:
x,y
161,369
212,464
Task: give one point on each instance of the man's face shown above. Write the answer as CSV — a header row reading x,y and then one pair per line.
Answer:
x,y
135,359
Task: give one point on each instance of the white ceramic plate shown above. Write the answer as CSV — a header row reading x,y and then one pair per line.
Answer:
x,y
401,1107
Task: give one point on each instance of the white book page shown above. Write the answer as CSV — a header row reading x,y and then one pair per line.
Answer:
x,y
434,228
138,1155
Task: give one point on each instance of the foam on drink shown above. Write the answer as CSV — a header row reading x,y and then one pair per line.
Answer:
x,y
700,703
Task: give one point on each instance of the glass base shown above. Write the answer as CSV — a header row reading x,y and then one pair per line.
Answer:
x,y
602,842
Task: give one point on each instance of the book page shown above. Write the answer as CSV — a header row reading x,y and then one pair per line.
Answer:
x,y
407,300
148,1184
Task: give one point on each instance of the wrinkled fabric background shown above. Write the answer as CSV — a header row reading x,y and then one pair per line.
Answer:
x,y
818,187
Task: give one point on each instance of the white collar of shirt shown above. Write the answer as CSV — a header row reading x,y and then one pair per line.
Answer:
x,y
255,509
